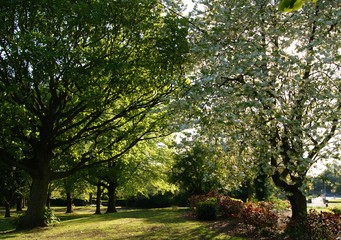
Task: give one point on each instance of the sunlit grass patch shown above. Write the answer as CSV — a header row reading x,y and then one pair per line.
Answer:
x,y
151,224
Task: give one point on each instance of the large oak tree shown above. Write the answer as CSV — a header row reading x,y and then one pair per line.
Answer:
x,y
80,77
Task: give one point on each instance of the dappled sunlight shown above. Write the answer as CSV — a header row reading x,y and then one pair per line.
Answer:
x,y
130,224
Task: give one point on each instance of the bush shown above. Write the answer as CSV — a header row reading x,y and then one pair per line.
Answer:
x,y
316,226
279,204
58,202
227,207
79,202
230,207
297,229
49,218
260,217
159,200
195,199
121,202
207,210
181,199
336,210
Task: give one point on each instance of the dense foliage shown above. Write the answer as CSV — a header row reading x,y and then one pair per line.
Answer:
x,y
89,85
267,84
82,83
259,218
317,226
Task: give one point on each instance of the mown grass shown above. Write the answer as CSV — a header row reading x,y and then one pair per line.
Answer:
x,y
331,204
129,224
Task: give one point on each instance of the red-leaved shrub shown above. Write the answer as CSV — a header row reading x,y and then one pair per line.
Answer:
x,y
230,207
260,217
195,199
316,226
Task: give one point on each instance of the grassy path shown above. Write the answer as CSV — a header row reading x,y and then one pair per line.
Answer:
x,y
155,224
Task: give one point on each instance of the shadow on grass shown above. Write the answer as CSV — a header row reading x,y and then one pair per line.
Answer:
x,y
6,225
151,224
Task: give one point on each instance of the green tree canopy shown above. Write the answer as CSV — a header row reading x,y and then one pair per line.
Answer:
x,y
80,77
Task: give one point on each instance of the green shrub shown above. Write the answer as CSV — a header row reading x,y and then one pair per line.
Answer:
x,y
49,217
226,206
158,200
207,210
195,199
181,199
279,204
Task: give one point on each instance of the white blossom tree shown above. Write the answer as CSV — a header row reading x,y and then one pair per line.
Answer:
x,y
271,83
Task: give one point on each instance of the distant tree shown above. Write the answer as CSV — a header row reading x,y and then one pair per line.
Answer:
x,y
71,187
12,184
141,171
195,171
329,181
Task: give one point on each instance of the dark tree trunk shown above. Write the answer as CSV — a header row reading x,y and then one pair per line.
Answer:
x,y
69,203
112,199
24,203
298,204
249,191
7,209
48,200
34,216
295,196
90,198
19,201
98,199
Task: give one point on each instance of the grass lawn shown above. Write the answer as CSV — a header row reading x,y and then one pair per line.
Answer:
x,y
131,224
332,204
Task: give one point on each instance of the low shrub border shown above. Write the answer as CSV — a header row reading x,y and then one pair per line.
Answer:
x,y
207,210
259,218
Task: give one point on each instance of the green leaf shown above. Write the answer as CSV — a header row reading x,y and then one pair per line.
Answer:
x,y
290,5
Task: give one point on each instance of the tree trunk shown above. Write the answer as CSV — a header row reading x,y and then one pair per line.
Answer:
x,y
34,216
112,199
90,198
298,204
19,201
23,201
295,196
7,209
48,200
69,202
98,199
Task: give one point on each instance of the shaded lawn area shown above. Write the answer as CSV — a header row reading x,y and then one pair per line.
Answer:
x,y
131,224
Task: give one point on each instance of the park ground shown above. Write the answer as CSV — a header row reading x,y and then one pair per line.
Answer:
x,y
168,223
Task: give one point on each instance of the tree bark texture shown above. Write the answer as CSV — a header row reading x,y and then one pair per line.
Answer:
x,y
38,196
19,202
98,199
7,209
295,196
69,202
112,199
298,203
